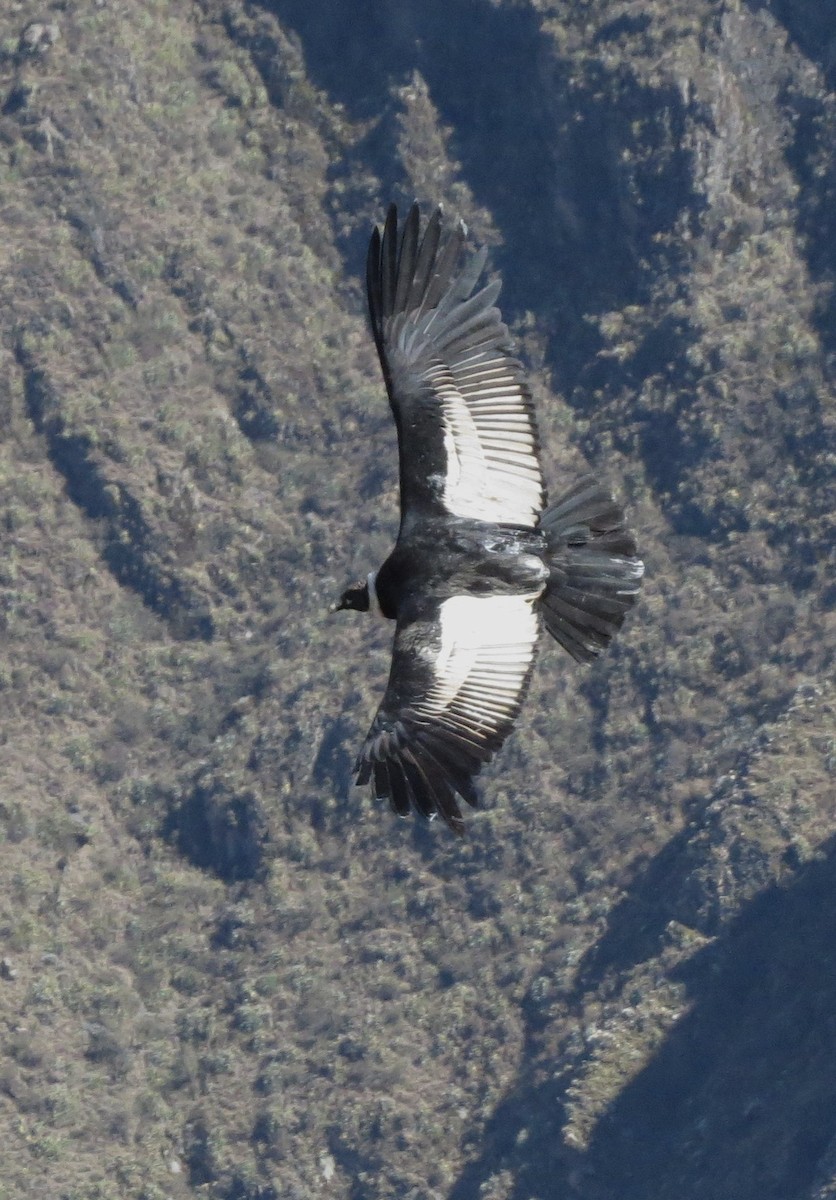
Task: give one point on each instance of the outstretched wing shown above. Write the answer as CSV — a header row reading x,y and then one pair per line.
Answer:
x,y
467,435
459,676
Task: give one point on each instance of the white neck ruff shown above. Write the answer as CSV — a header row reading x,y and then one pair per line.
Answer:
x,y
374,602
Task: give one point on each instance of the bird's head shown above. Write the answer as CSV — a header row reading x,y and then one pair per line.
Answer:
x,y
356,596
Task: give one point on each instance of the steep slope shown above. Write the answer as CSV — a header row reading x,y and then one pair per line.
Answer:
x,y
223,972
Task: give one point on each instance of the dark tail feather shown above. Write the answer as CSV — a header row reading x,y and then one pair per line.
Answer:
x,y
595,573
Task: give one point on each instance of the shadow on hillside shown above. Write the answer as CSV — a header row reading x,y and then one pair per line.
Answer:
x,y
811,25
811,158
581,175
740,1100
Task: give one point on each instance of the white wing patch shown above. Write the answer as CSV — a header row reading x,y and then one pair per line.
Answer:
x,y
493,470
487,648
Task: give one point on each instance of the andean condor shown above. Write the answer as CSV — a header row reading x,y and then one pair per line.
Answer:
x,y
479,559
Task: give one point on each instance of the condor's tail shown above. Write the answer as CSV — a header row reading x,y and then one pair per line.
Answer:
x,y
595,574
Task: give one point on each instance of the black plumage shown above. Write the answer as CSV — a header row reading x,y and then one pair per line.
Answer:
x,y
479,559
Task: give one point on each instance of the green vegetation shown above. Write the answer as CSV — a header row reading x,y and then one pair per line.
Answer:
x,y
223,972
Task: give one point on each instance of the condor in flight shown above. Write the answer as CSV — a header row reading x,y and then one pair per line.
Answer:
x,y
480,559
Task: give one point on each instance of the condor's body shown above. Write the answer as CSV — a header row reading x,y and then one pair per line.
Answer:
x,y
439,559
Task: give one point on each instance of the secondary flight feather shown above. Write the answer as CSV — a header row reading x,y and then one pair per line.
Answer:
x,y
480,560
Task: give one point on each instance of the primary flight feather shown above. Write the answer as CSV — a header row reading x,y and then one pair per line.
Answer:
x,y
479,560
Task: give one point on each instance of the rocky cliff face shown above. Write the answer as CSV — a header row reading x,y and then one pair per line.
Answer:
x,y
223,971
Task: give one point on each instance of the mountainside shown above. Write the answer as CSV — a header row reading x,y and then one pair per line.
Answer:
x,y
225,972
